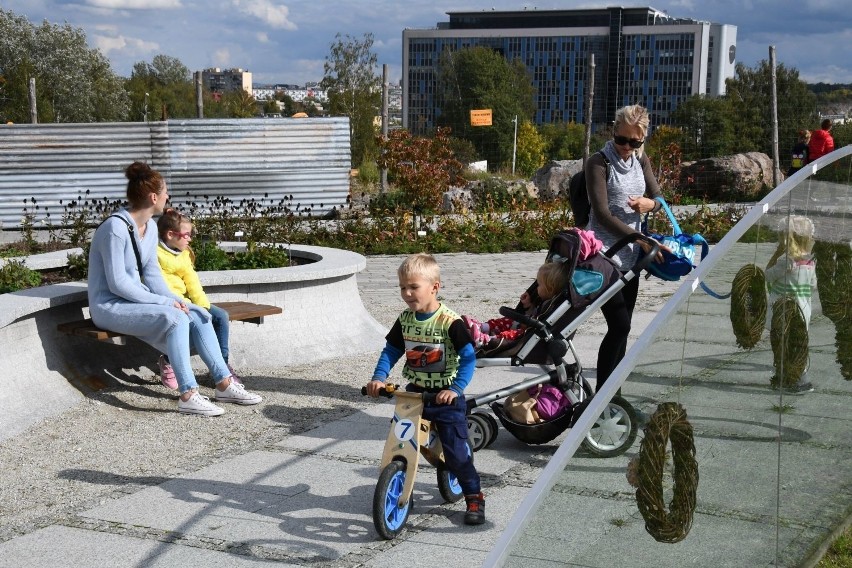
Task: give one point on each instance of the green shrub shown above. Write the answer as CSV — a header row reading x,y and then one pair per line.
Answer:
x,y
78,264
14,275
381,203
368,172
711,223
261,257
208,256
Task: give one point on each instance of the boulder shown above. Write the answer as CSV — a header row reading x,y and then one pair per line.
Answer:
x,y
746,175
523,188
552,178
457,200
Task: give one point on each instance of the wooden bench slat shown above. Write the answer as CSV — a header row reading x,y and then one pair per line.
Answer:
x,y
237,311
240,311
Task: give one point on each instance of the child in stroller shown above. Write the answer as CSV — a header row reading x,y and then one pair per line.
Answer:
x,y
589,282
489,336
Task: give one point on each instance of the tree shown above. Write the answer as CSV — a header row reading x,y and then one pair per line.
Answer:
x,y
749,95
270,106
480,78
708,128
423,168
531,146
353,86
664,150
240,104
564,140
73,82
169,86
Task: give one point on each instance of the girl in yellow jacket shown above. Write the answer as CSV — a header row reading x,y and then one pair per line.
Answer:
x,y
177,264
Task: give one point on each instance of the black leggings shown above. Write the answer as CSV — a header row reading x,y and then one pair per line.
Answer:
x,y
618,312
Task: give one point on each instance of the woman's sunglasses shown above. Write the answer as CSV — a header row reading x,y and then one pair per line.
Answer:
x,y
623,140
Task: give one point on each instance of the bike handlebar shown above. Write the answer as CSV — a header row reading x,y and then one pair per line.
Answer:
x,y
389,390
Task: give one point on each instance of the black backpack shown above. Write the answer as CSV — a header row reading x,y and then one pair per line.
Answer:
x,y
578,195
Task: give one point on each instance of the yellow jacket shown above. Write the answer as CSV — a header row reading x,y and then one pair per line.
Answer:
x,y
180,275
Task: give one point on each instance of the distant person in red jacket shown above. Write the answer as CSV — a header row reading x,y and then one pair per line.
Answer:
x,y
821,141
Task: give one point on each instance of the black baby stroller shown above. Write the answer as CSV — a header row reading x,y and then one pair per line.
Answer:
x,y
547,340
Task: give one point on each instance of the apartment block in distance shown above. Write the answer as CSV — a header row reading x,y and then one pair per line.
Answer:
x,y
223,81
642,56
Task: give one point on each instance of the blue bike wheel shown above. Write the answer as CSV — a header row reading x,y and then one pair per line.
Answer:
x,y
388,517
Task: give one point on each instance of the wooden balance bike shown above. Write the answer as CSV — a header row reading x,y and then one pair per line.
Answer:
x,y
410,437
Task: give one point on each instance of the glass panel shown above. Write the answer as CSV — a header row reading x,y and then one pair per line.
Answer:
x,y
772,459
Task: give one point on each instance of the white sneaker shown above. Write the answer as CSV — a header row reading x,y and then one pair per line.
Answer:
x,y
237,394
198,404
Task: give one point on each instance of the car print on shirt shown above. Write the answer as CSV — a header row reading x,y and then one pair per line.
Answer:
x,y
421,356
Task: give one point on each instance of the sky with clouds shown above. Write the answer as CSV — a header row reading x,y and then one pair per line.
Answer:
x,y
282,41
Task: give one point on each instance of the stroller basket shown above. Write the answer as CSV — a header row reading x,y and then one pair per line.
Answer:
x,y
540,433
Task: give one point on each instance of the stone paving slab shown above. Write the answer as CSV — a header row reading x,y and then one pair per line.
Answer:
x,y
448,542
594,541
322,514
56,546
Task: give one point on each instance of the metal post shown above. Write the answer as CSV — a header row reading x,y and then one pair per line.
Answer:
x,y
199,100
590,101
776,167
515,145
145,109
32,95
384,185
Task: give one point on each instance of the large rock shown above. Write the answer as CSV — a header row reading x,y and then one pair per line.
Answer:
x,y
457,200
746,175
552,179
478,193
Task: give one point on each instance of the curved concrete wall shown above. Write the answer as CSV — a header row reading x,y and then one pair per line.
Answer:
x,y
48,372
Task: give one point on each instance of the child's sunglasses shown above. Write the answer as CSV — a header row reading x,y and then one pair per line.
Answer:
x,y
622,140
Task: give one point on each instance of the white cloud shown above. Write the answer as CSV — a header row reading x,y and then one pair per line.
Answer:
x,y
136,4
827,74
262,37
688,5
222,57
273,14
123,44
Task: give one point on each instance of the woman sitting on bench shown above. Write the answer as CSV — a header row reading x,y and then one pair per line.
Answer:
x,y
127,294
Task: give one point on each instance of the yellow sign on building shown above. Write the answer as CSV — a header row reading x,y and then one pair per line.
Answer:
x,y
480,117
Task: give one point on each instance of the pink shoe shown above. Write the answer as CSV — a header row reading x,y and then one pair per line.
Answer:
x,y
475,331
167,374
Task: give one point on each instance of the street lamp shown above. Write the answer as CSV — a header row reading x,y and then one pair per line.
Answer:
x,y
145,109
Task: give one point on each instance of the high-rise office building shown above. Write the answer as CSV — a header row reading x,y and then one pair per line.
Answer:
x,y
642,56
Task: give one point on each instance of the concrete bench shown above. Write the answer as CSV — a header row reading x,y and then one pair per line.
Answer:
x,y
237,311
56,368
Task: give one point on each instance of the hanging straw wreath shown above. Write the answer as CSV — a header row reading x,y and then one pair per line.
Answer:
x,y
789,336
669,422
834,283
748,305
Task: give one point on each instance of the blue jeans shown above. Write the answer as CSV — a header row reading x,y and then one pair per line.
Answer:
x,y
222,328
196,329
451,422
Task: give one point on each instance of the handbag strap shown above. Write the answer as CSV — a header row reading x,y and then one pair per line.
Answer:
x,y
665,206
132,242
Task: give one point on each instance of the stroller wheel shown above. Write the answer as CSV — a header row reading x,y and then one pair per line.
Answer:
x,y
494,428
614,431
479,430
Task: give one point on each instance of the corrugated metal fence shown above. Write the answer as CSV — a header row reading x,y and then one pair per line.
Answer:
x,y
268,160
